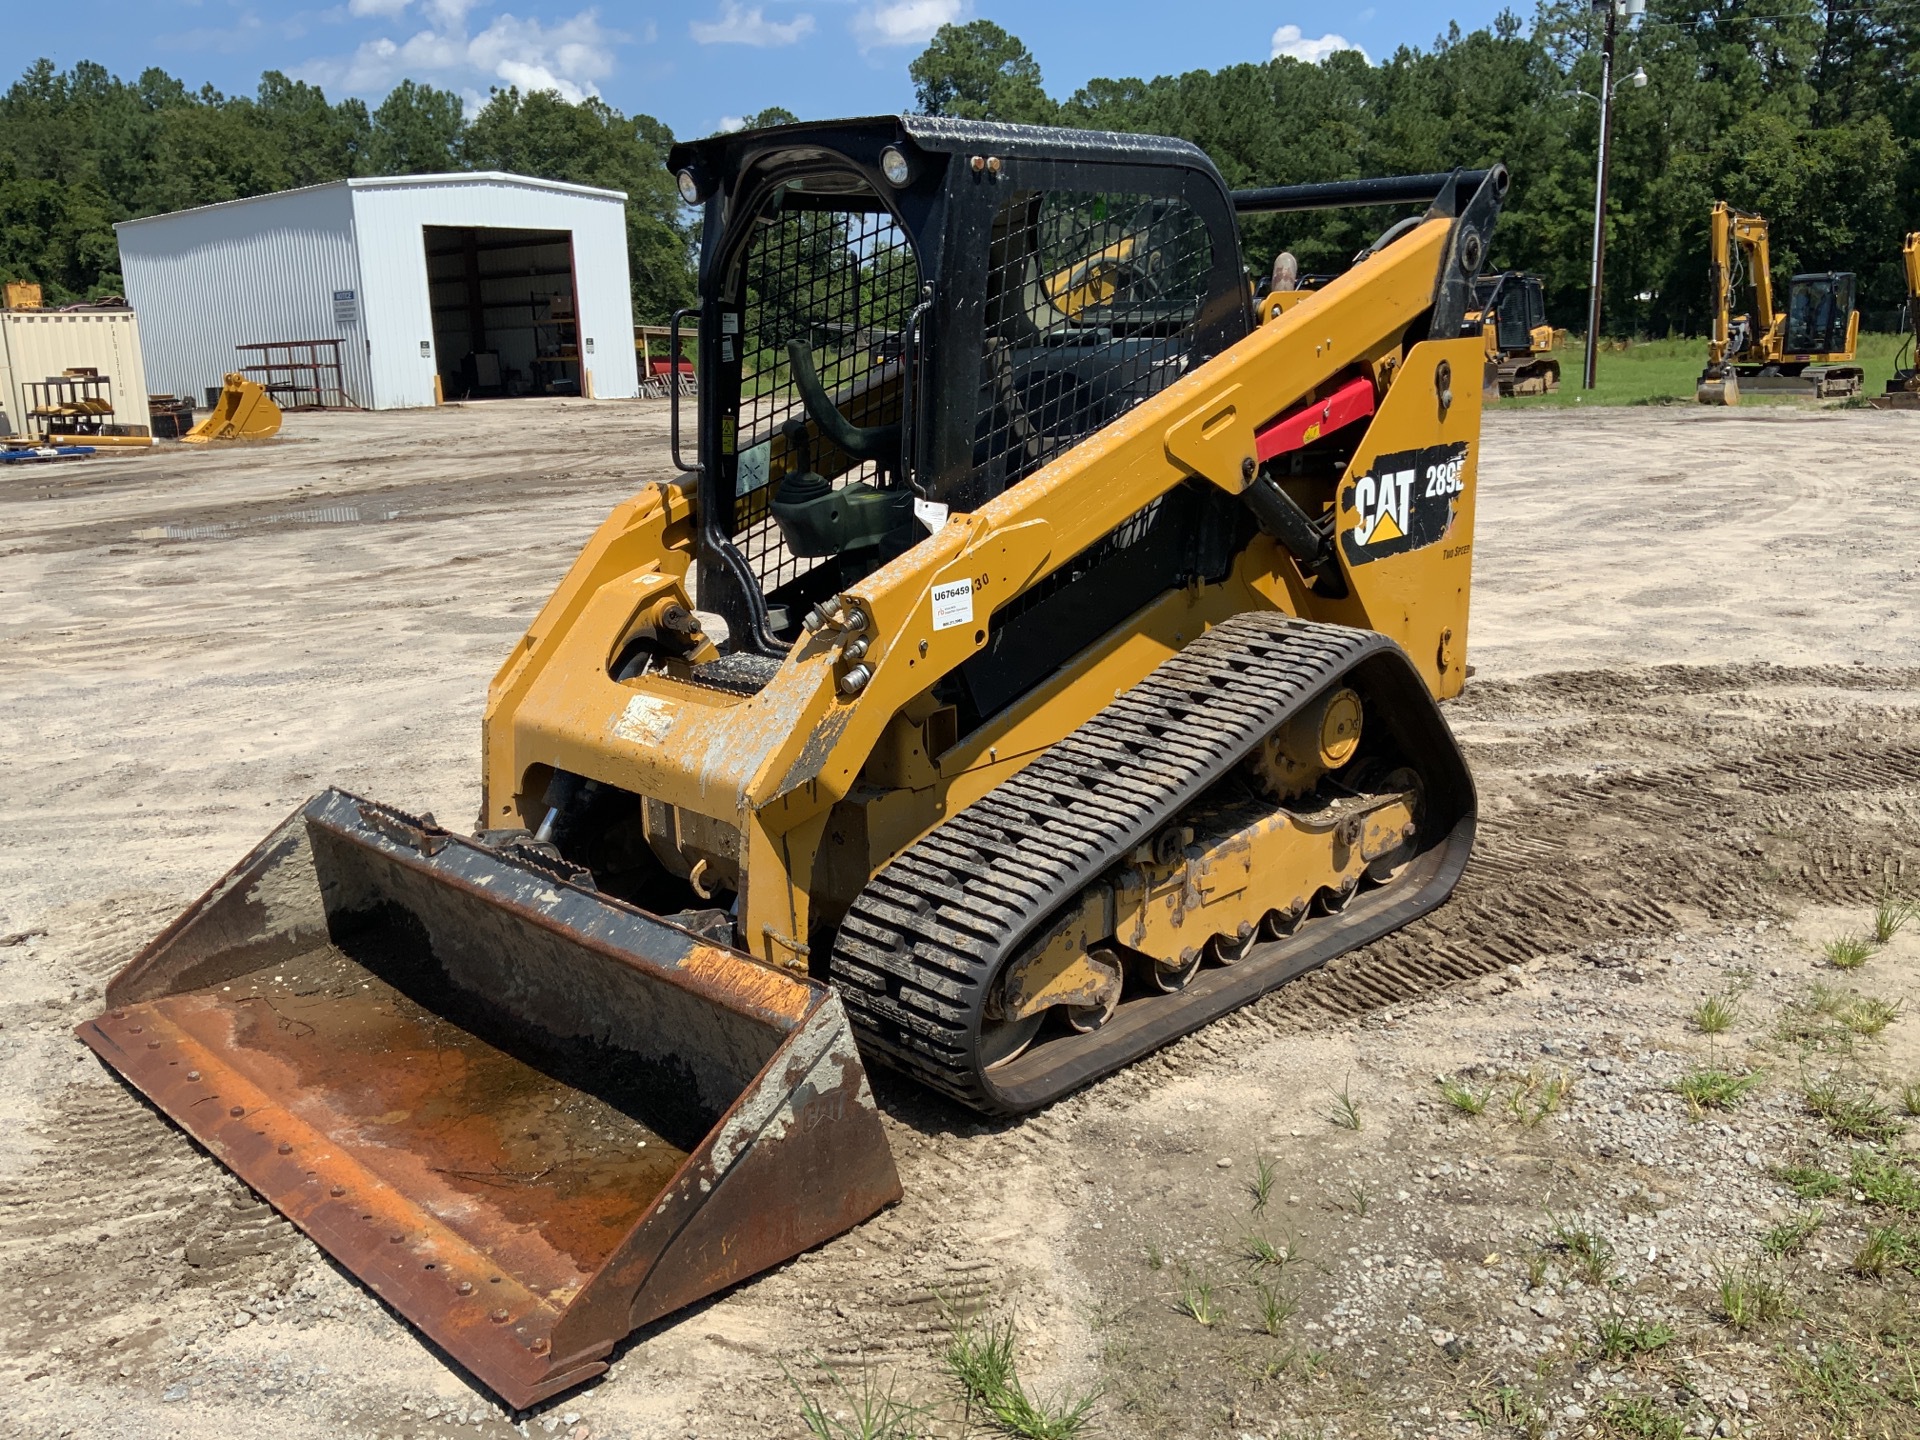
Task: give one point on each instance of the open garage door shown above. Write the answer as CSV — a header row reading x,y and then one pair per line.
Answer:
x,y
505,313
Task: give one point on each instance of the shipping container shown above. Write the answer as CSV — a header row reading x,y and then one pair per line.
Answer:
x,y
36,345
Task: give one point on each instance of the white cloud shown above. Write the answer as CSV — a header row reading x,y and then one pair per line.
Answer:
x,y
904,22
739,25
1288,40
568,56
731,123
386,9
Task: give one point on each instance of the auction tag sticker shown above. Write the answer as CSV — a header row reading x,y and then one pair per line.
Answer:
x,y
930,513
952,604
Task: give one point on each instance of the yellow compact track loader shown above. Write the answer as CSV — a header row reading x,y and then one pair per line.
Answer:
x,y
1520,343
1038,659
244,411
1903,389
1807,349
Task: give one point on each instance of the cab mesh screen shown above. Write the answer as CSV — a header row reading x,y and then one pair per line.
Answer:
x,y
1092,301
838,274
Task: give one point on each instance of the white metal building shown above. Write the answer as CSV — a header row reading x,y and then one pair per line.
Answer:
x,y
440,286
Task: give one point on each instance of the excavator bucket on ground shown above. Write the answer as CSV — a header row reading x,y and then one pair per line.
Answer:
x,y
245,412
530,1117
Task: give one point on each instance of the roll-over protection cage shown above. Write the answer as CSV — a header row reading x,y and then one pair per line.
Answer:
x,y
1005,292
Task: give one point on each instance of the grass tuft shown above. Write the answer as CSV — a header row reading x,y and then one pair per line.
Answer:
x,y
1851,1111
1847,952
1260,1251
1590,1254
1888,1248
1622,1339
1462,1097
1751,1296
1345,1113
1910,1098
1508,1405
1869,1015
1890,915
1710,1088
1262,1185
870,1413
1883,1181
1833,1017
1531,1100
981,1359
1839,1383
1553,1095
1788,1236
1714,1015
1196,1299
1642,1419
1275,1310
1810,1182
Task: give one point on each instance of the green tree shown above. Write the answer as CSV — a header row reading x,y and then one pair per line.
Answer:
x,y
766,119
978,71
417,130
591,143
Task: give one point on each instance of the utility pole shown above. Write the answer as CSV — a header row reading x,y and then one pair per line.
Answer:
x,y
1614,9
1600,194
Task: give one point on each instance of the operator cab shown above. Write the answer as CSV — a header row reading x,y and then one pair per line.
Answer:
x,y
901,317
1517,304
1820,314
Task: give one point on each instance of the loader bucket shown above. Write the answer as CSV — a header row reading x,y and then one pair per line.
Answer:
x,y
528,1116
245,412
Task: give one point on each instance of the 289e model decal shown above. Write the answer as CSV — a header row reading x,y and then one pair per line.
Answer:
x,y
1403,503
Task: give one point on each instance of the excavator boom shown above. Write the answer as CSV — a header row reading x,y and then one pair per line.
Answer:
x,y
1903,387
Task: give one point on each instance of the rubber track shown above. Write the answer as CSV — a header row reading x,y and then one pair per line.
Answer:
x,y
923,941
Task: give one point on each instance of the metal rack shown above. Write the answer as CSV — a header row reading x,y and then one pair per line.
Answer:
x,y
77,402
661,374
556,343
299,374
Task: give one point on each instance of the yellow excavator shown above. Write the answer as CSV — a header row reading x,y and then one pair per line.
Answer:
x,y
1037,659
1903,390
1807,349
1512,310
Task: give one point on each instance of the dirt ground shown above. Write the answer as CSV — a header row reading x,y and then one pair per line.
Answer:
x,y
1695,723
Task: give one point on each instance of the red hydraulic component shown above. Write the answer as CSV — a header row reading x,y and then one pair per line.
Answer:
x,y
1299,428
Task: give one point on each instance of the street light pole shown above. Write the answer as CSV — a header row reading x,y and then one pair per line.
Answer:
x,y
1600,196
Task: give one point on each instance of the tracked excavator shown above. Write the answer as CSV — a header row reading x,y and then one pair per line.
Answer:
x,y
1036,658
1903,388
1806,349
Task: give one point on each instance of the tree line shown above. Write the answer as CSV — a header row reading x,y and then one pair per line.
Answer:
x,y
1806,111
81,149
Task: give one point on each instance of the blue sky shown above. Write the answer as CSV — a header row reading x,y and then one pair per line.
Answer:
x,y
703,63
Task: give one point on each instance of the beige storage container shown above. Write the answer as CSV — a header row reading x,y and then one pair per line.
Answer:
x,y
35,344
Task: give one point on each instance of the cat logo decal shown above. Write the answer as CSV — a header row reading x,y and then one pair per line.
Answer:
x,y
1404,502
